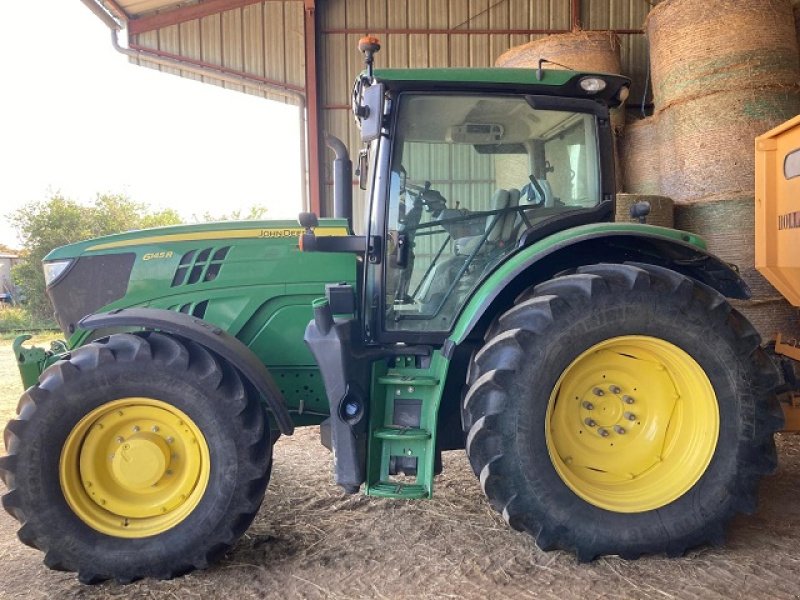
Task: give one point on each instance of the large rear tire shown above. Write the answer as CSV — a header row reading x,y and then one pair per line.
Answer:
x,y
623,409
142,455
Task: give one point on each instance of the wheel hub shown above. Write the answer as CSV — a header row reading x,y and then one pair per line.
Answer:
x,y
632,424
141,462
134,467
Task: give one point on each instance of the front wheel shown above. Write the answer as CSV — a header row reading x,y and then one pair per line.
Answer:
x,y
624,409
142,455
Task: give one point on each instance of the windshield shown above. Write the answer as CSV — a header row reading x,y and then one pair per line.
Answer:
x,y
469,175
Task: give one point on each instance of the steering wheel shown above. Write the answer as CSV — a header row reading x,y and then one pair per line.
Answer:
x,y
431,199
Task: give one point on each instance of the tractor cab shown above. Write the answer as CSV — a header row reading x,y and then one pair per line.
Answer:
x,y
463,167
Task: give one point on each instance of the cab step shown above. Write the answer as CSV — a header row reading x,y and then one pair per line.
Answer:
x,y
406,491
402,441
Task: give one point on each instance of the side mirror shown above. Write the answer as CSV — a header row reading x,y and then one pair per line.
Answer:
x,y
308,220
371,111
640,210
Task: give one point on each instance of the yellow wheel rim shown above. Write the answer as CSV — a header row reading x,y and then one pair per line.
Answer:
x,y
134,467
632,424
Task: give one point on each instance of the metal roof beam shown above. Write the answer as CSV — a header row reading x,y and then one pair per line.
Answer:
x,y
188,13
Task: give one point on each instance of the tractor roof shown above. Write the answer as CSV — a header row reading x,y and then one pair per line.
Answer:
x,y
559,82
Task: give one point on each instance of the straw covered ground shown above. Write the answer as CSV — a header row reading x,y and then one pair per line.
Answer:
x,y
311,541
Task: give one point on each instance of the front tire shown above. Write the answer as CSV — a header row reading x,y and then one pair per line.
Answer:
x,y
624,409
142,455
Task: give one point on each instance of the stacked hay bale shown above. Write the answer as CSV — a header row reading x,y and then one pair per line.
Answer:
x,y
723,73
593,51
641,157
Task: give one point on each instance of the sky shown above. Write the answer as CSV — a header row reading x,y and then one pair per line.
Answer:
x,y
77,118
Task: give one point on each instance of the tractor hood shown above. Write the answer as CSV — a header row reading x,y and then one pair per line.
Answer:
x,y
179,267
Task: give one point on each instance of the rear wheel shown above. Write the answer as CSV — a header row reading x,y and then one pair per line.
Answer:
x,y
143,455
621,410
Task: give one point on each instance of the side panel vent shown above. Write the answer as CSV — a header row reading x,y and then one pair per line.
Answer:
x,y
199,265
196,309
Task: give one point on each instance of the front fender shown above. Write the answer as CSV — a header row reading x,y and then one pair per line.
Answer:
x,y
212,337
607,242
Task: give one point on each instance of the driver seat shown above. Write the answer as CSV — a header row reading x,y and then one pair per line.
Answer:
x,y
500,232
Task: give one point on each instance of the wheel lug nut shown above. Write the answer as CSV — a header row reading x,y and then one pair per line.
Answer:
x,y
627,400
587,405
589,422
120,439
619,430
603,432
170,439
135,428
155,429
614,389
598,392
630,416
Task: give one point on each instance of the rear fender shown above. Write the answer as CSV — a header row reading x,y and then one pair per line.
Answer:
x,y
210,336
616,244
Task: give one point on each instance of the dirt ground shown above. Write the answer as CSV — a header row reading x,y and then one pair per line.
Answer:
x,y
311,541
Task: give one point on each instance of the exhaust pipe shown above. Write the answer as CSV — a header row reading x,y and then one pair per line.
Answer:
x,y
342,180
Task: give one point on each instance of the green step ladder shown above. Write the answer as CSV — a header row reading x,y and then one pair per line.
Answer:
x,y
403,428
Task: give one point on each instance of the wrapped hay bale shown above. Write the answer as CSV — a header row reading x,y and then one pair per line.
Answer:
x,y
707,144
697,48
640,152
661,209
728,226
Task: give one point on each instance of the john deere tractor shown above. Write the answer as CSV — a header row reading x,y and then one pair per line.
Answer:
x,y
609,398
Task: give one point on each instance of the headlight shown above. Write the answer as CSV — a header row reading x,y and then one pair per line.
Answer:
x,y
592,85
54,269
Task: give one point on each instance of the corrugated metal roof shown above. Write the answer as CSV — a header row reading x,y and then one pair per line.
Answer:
x,y
263,39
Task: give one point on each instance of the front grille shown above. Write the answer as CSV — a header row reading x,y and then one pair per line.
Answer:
x,y
91,283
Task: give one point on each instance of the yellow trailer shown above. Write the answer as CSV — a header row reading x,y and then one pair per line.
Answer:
x,y
778,232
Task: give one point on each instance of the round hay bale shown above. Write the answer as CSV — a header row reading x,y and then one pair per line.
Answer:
x,y
728,226
770,316
661,209
594,51
579,50
707,144
697,48
640,152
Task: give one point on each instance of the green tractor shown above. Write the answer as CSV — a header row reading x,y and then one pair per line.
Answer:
x,y
609,398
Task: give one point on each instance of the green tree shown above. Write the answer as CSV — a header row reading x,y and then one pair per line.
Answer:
x,y
254,213
56,221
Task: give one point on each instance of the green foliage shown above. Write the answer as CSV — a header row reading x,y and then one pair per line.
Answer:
x,y
57,221
18,318
254,213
